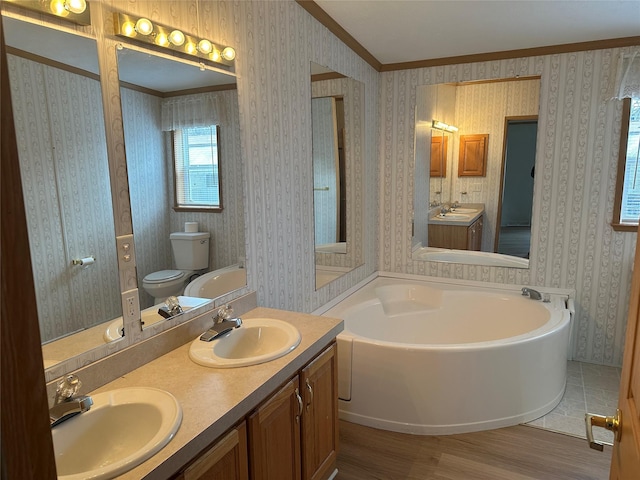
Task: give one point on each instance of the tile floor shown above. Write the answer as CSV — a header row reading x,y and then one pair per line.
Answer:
x,y
590,388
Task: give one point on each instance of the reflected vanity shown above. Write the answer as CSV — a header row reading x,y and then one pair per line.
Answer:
x,y
337,123
501,117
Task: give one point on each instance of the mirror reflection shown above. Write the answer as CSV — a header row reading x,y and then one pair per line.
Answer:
x,y
184,165
474,171
337,121
57,107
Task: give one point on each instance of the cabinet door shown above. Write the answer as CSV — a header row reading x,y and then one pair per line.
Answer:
x,y
274,436
472,160
226,460
320,419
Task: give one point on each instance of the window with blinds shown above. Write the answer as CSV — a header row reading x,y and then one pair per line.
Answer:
x,y
630,210
197,168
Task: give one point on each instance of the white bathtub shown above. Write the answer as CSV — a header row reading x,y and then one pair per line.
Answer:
x,y
217,282
439,358
435,254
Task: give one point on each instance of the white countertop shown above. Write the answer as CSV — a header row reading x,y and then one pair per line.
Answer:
x,y
214,400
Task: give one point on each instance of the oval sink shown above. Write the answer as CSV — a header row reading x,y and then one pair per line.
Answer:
x,y
122,429
258,340
465,210
452,216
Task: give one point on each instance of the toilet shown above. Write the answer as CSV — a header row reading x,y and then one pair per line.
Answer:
x,y
191,255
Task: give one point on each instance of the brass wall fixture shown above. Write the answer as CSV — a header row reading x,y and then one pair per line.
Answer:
x,y
76,11
144,30
443,126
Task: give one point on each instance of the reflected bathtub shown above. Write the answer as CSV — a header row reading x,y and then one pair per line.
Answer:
x,y
434,254
217,282
433,358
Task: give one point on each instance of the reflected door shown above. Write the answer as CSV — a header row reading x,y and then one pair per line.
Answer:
x,y
326,169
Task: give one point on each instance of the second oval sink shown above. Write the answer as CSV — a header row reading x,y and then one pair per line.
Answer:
x,y
258,340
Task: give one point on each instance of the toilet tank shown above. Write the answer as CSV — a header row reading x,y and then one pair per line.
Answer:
x,y
190,250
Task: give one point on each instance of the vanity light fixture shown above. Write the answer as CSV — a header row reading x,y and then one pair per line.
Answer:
x,y
143,30
443,126
76,11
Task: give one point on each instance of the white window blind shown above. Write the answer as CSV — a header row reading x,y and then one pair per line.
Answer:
x,y
197,175
630,210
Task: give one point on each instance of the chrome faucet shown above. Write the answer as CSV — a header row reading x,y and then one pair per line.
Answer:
x,y
533,294
67,403
171,307
444,209
222,323
454,205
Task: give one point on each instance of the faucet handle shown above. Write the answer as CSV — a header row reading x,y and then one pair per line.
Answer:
x,y
225,312
67,388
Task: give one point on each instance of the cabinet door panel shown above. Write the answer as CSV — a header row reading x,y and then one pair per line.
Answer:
x,y
472,161
320,419
274,436
226,460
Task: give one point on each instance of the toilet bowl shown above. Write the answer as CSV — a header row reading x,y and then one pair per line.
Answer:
x,y
165,283
190,252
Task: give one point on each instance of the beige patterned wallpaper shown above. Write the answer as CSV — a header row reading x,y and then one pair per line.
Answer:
x,y
573,244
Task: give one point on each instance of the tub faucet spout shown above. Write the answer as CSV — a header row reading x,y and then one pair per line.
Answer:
x,y
533,294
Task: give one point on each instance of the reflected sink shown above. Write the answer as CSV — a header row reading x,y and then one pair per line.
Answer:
x,y
466,210
258,340
124,428
453,216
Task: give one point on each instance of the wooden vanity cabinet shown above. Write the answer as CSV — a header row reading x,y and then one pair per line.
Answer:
x,y
227,459
319,384
457,237
274,436
294,435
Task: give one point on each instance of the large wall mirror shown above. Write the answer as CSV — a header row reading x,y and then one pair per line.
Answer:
x,y
59,118
475,149
58,114
337,120
161,97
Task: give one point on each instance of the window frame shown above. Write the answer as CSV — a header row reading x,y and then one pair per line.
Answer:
x,y
196,208
622,162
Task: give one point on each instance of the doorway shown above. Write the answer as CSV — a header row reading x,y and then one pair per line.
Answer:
x,y
513,235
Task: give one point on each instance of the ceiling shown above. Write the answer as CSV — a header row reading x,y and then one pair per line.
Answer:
x,y
398,31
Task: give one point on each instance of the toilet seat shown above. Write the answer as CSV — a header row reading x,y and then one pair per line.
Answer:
x,y
164,276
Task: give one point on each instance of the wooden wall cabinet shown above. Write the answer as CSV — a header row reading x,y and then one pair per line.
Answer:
x,y
438,156
293,435
472,160
457,237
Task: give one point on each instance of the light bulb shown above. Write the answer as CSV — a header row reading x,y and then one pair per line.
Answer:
x,y
215,55
57,8
144,26
205,46
162,40
190,48
176,37
229,53
128,29
75,6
